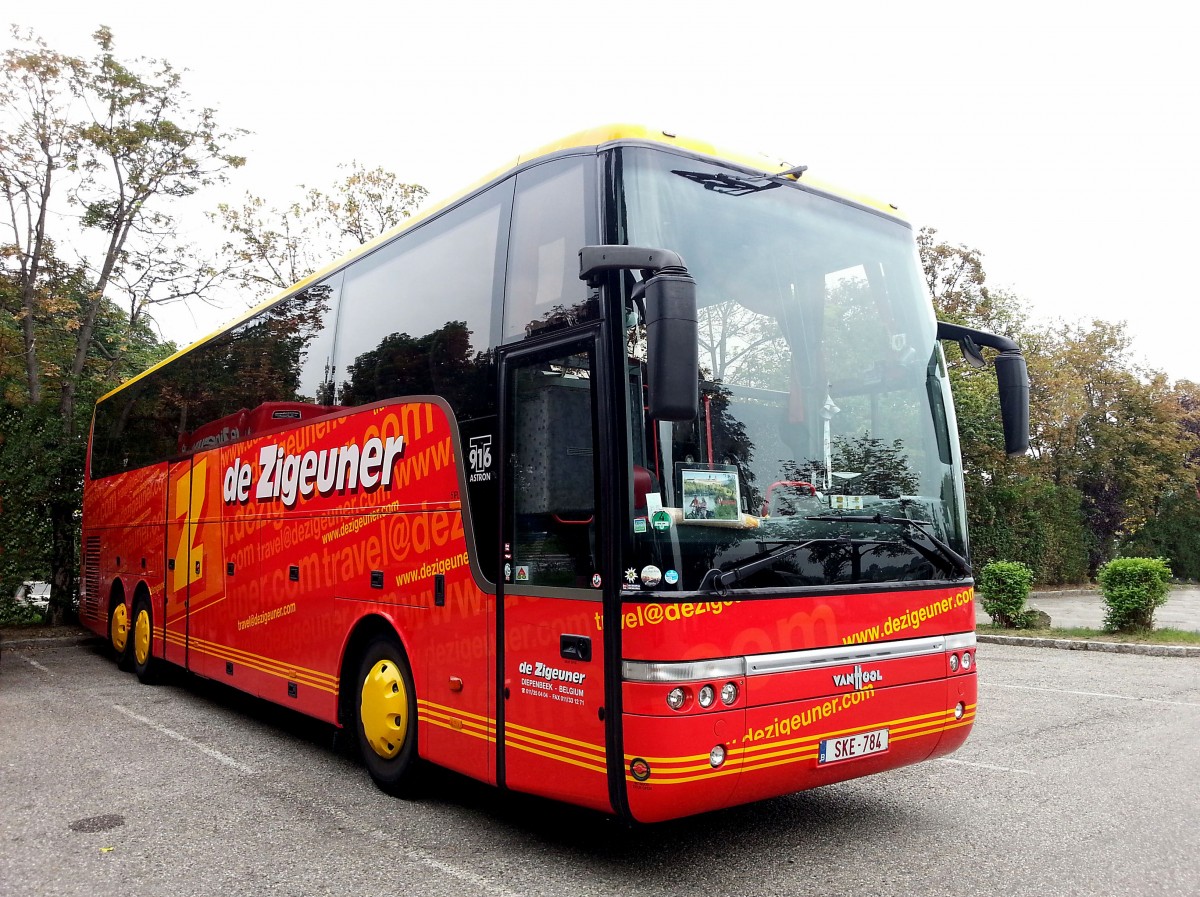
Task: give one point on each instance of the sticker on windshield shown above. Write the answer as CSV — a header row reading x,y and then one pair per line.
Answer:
x,y
846,502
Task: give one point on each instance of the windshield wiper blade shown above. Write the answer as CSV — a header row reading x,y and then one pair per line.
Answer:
x,y
719,182
719,582
959,563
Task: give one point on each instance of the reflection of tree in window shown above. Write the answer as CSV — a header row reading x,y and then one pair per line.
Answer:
x,y
858,560
141,425
561,317
742,347
855,325
716,425
438,363
863,465
258,361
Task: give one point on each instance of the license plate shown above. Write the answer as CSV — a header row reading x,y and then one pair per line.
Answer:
x,y
854,746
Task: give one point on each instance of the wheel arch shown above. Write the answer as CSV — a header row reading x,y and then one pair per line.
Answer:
x,y
141,590
117,595
365,630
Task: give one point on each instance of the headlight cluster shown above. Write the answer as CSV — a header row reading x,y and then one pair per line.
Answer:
x,y
965,664
681,696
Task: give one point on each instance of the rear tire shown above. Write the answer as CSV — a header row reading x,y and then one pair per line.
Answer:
x,y
385,704
118,633
142,643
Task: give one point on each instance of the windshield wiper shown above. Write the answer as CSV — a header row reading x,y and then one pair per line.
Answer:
x,y
719,182
719,582
959,563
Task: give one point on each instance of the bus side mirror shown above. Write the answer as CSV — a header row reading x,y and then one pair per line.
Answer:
x,y
672,346
1012,379
672,328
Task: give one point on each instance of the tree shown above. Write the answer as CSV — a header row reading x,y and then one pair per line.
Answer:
x,y
1173,528
1114,449
1118,439
93,153
270,248
958,284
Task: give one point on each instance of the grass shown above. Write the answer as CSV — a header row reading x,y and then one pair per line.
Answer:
x,y
1082,633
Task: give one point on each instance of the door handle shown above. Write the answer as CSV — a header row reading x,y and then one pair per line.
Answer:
x,y
575,647
197,568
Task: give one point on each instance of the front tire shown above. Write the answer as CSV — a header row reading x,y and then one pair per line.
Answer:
x,y
385,702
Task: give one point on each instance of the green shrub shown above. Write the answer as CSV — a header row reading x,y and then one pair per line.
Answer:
x,y
1132,589
1004,586
14,614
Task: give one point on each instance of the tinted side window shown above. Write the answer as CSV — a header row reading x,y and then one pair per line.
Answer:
x,y
417,314
549,226
267,372
141,425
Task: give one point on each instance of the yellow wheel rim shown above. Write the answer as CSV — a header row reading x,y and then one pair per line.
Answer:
x,y
384,709
141,637
119,635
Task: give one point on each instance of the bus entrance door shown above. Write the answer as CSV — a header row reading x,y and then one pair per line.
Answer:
x,y
553,667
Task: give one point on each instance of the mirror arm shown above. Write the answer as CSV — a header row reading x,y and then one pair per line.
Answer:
x,y
975,338
595,260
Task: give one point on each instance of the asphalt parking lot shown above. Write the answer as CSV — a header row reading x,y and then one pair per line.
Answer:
x,y
1080,778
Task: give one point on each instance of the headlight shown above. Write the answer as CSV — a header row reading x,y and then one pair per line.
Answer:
x,y
966,661
676,697
729,693
706,696
954,663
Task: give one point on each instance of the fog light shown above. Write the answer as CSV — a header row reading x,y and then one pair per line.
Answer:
x,y
966,661
716,756
729,693
954,663
675,698
706,696
959,710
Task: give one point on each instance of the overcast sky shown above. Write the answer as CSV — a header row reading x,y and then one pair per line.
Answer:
x,y
1061,139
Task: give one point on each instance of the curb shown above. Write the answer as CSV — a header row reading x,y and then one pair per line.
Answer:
x,y
1065,644
57,641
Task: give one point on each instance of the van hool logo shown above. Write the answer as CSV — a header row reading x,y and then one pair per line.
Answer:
x,y
287,477
858,678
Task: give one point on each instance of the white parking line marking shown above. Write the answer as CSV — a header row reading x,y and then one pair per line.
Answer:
x,y
32,662
1095,694
1024,772
171,733
417,855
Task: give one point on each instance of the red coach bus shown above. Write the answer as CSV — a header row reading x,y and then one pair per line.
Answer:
x,y
629,478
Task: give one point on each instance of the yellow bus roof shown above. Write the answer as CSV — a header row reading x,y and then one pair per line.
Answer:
x,y
598,137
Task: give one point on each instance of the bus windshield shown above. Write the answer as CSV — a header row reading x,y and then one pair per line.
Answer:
x,y
822,453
